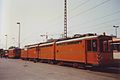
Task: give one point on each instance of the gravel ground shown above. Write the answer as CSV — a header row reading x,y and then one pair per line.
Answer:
x,y
16,69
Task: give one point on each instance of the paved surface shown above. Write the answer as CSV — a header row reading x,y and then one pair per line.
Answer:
x,y
11,69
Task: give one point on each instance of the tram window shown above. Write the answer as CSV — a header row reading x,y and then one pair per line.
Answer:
x,y
111,47
105,43
101,45
104,46
61,44
94,45
46,46
89,45
114,46
75,42
119,47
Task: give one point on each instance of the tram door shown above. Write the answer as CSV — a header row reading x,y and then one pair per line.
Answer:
x,y
91,51
106,55
37,52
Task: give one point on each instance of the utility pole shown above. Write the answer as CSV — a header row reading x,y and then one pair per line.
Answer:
x,y
65,18
116,29
19,35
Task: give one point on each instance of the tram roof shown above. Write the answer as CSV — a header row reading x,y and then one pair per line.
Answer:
x,y
76,39
116,39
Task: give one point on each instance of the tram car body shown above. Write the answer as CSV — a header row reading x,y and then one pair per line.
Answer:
x,y
88,50
14,53
115,47
32,52
24,54
2,53
47,51
93,50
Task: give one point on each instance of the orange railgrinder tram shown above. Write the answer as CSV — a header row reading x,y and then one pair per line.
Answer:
x,y
92,50
14,53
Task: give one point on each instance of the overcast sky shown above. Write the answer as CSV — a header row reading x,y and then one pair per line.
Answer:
x,y
38,17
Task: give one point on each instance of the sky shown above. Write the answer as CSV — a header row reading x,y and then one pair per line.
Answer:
x,y
41,17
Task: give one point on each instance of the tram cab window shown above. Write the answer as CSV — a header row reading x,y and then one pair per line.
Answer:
x,y
94,45
91,45
101,45
104,46
115,46
105,43
119,48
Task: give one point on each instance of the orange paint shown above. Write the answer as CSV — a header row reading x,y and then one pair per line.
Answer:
x,y
46,52
11,53
23,54
32,53
73,52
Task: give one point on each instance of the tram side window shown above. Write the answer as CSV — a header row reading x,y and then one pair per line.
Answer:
x,y
94,45
101,45
111,47
119,48
116,47
89,45
47,45
105,43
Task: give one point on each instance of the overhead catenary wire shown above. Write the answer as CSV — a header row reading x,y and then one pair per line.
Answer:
x,y
100,27
89,9
104,26
85,2
60,16
102,17
85,10
113,20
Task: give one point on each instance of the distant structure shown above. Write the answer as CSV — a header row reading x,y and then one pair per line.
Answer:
x,y
19,35
65,19
116,29
6,40
45,35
